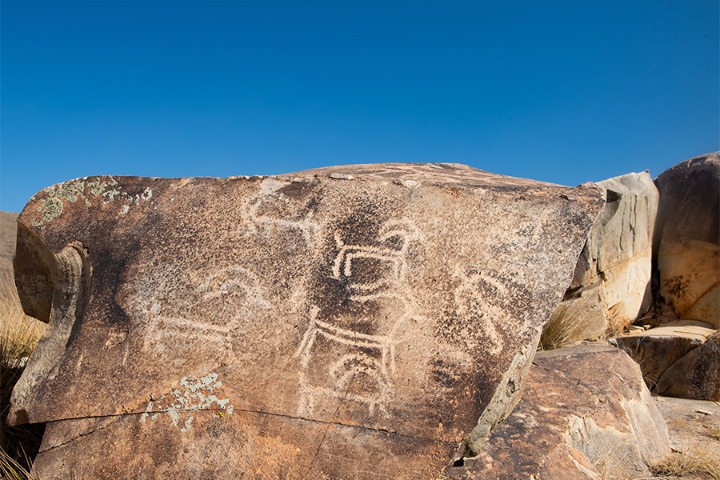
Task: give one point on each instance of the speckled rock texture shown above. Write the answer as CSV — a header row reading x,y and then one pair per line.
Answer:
x,y
688,238
585,414
612,278
368,321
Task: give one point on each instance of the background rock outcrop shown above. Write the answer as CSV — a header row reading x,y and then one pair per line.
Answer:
x,y
611,286
349,322
688,238
681,356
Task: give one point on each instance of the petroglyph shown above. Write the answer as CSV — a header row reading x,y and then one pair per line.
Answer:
x,y
270,210
233,281
233,288
394,239
356,361
191,396
360,366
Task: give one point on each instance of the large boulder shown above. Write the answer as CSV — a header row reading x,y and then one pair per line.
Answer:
x,y
611,285
678,359
688,238
585,413
347,322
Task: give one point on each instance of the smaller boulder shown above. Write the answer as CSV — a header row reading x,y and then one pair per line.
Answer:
x,y
8,229
678,359
585,413
696,375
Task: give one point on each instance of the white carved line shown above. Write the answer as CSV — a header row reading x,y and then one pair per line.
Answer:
x,y
307,402
172,327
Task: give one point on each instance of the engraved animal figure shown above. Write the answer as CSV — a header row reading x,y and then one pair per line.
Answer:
x,y
270,209
359,357
228,293
401,231
356,360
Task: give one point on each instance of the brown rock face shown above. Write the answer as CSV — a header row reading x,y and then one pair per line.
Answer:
x,y
349,322
688,236
585,413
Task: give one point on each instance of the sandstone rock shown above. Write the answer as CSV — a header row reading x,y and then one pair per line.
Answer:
x,y
679,359
585,413
616,262
688,237
348,322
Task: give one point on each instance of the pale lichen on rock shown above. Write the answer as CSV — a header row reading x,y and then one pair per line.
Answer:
x,y
192,396
52,200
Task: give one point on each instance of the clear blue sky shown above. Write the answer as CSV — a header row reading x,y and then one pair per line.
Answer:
x,y
559,91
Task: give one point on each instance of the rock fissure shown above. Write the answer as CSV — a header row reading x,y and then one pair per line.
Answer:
x,y
259,412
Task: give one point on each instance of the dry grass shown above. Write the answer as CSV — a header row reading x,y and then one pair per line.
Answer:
x,y
565,327
11,469
713,433
694,463
19,335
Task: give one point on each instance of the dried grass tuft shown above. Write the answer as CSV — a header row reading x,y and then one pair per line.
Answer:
x,y
11,469
564,328
696,463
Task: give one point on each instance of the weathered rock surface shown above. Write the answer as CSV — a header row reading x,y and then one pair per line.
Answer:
x,y
612,277
348,322
679,359
688,238
585,413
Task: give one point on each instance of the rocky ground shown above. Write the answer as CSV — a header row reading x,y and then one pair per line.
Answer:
x,y
694,424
